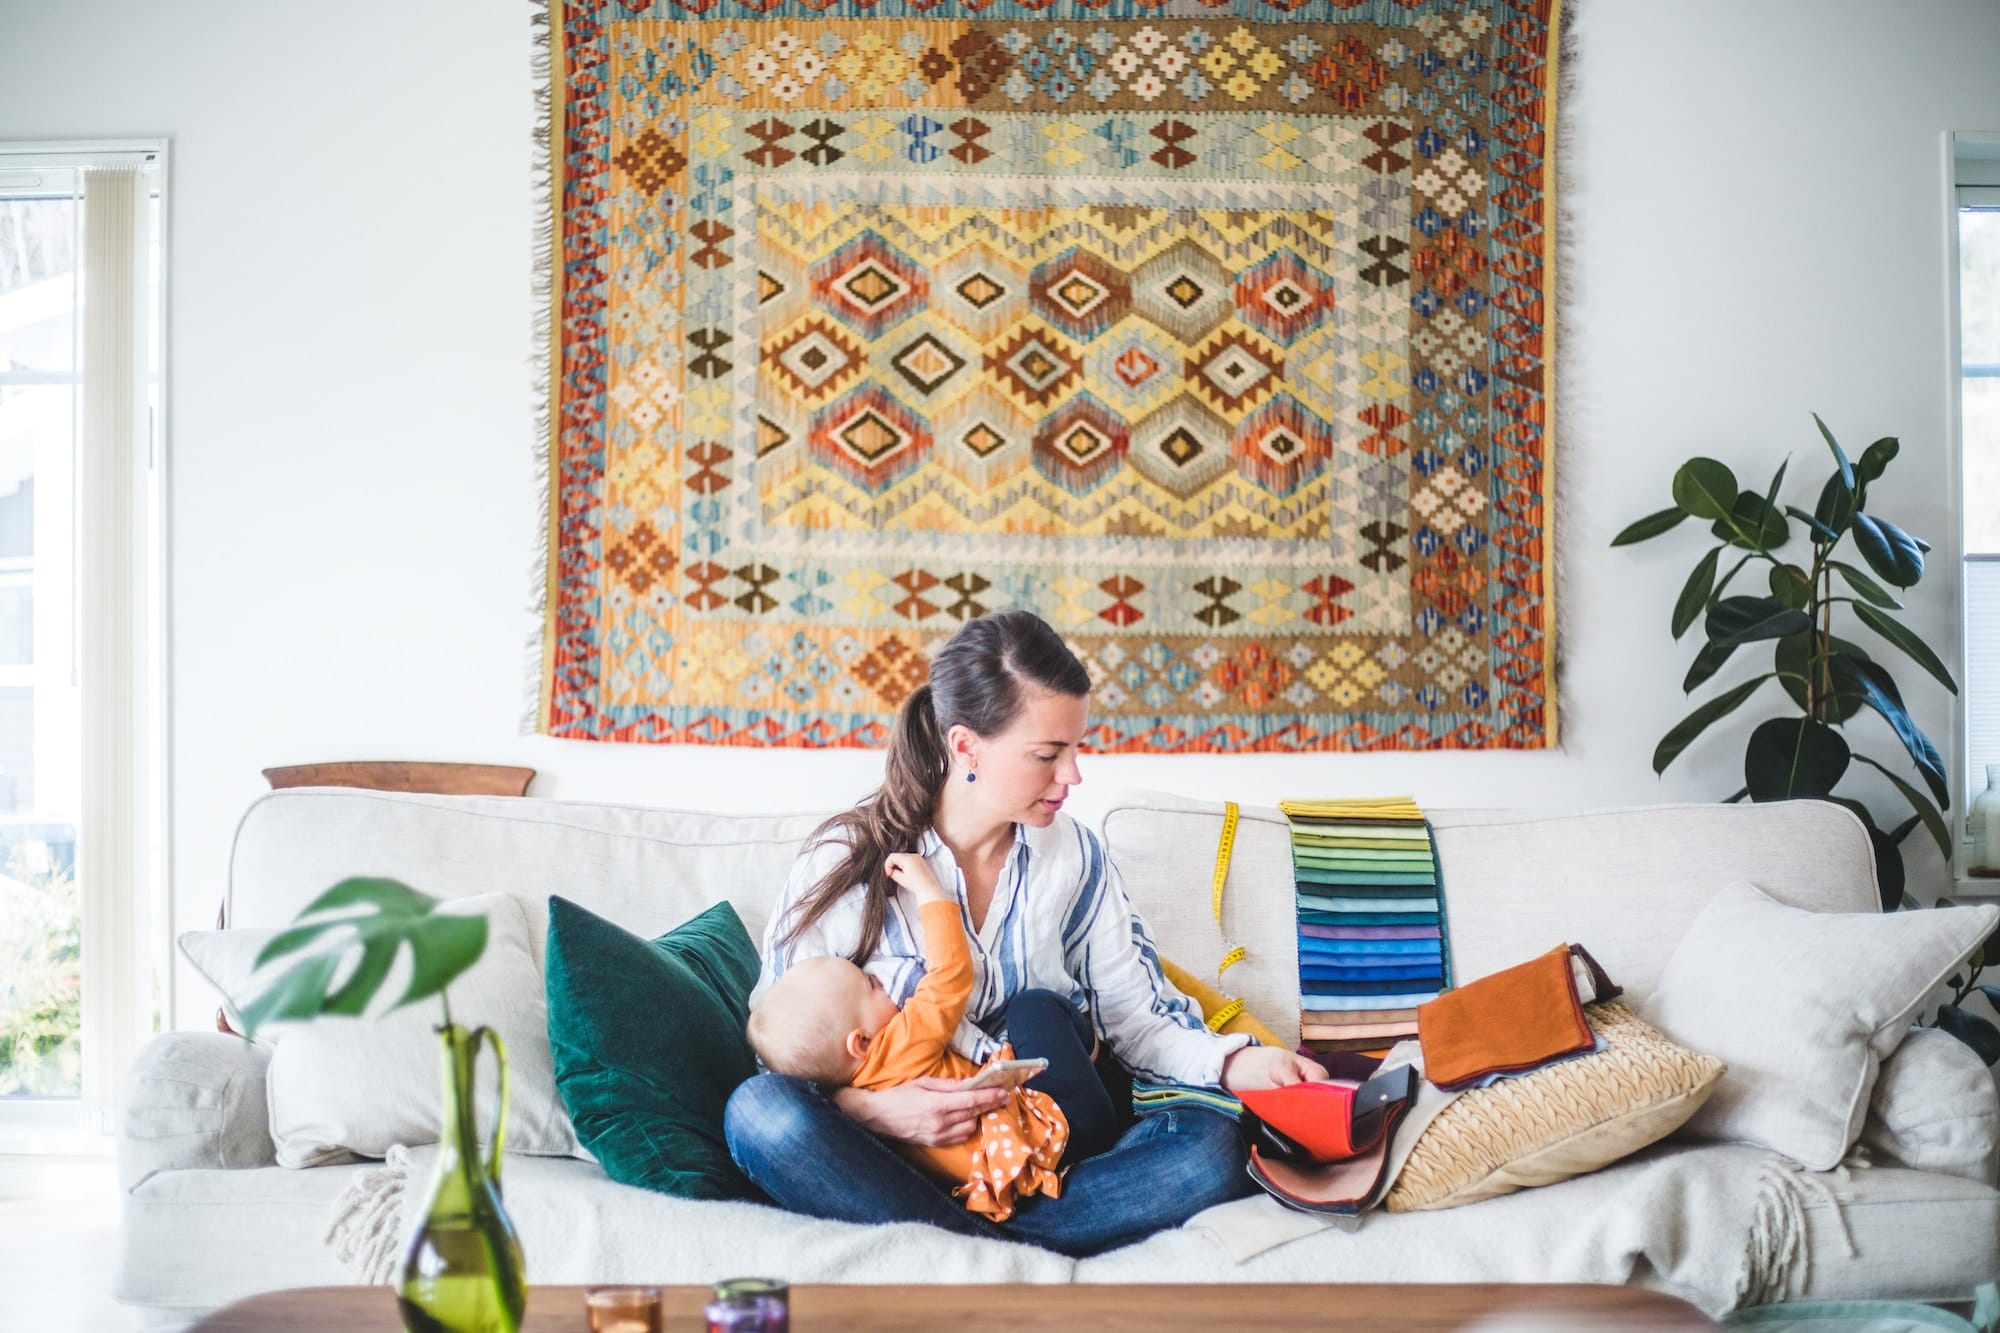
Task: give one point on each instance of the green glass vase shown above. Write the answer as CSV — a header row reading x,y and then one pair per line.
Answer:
x,y
462,1270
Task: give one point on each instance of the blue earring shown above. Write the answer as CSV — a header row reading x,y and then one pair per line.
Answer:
x,y
972,777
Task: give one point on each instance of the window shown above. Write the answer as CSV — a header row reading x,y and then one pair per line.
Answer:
x,y
80,399
1976,178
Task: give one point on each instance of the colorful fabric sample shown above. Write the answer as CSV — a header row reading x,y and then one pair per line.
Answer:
x,y
1373,945
1516,1019
1148,1098
1214,331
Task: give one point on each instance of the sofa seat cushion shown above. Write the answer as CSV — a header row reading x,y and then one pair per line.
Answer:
x,y
1917,1236
197,1239
193,1240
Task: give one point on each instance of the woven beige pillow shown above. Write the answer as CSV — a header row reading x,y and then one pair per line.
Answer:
x,y
1568,1119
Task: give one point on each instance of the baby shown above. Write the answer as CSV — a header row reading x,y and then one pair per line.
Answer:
x,y
827,1020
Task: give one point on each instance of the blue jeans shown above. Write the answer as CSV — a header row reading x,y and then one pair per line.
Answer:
x,y
1041,1024
808,1156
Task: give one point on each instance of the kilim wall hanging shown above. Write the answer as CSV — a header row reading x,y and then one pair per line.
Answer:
x,y
1218,333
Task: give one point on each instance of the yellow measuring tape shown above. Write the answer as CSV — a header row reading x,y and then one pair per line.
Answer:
x,y
1233,952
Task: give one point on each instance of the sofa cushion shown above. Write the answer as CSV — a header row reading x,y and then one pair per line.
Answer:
x,y
227,961
1628,881
1915,1236
344,1087
1803,1007
1918,1236
646,869
648,1041
1560,1121
193,1240
1935,1109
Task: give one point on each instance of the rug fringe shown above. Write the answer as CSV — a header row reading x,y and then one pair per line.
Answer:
x,y
1777,1259
366,1230
541,316
1564,414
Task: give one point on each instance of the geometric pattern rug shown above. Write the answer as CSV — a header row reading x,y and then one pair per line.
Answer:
x,y
1218,334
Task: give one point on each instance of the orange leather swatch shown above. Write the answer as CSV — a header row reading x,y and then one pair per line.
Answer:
x,y
1316,1116
1512,1020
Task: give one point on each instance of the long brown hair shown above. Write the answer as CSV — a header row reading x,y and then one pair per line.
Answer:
x,y
979,679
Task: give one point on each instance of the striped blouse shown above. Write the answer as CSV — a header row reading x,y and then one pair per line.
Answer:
x,y
1059,921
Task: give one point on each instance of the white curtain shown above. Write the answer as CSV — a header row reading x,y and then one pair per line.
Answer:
x,y
112,863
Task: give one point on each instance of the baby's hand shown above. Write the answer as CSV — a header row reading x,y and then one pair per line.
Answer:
x,y
912,872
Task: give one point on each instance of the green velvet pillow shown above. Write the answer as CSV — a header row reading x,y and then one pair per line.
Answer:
x,y
648,1043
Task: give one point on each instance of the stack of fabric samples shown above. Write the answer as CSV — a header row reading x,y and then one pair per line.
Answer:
x,y
1150,1097
1372,939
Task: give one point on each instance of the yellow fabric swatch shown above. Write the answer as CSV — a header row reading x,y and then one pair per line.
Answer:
x,y
1401,807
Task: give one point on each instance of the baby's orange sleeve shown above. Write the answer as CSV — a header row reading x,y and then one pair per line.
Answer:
x,y
913,1043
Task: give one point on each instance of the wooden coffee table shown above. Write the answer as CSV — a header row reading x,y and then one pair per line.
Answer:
x,y
1024,1307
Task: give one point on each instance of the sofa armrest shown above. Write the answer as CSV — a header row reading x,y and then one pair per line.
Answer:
x,y
1934,1108
193,1099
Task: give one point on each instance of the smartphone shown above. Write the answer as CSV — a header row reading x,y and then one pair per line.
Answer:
x,y
1004,1074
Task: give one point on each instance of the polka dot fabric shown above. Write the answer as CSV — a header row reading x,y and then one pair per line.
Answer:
x,y
1020,1145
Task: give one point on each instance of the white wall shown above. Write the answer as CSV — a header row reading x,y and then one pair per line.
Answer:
x,y
1757,194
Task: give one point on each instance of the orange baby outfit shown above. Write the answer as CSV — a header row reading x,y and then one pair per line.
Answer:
x,y
1016,1150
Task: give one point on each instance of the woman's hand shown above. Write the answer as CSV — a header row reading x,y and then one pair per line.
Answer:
x,y
931,1112
912,872
1255,1067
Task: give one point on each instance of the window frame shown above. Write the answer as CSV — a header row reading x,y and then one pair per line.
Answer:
x,y
81,1123
1972,180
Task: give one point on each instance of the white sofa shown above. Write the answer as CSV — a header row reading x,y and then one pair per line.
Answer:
x,y
209,1217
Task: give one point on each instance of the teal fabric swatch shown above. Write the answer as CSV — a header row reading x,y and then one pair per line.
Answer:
x,y
1314,875
1319,903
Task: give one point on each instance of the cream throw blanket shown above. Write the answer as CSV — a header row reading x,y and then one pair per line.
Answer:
x,y
1719,1225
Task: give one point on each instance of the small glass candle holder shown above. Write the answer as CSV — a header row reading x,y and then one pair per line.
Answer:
x,y
750,1305
623,1309
736,1314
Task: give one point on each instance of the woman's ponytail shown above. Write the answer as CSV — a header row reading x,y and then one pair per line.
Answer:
x,y
893,820
917,763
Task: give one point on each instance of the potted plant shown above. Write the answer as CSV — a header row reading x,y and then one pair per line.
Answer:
x,y
1818,659
461,1270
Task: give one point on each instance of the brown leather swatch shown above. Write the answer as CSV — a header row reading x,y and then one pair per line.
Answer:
x,y
1517,1019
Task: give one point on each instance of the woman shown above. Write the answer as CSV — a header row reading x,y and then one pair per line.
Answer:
x,y
981,761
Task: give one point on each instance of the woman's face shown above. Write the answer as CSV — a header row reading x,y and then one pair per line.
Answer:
x,y
1026,771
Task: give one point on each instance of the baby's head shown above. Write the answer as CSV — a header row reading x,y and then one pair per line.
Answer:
x,y
819,1019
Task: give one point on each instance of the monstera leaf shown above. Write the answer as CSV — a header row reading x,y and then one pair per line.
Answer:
x,y
368,921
